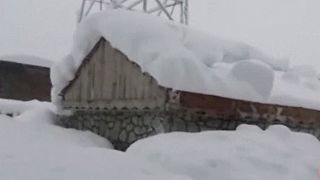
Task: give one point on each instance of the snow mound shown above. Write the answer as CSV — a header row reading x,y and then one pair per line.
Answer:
x,y
254,73
37,151
182,58
247,154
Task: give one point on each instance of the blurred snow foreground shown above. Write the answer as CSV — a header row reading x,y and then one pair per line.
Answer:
x,y
183,58
32,147
15,107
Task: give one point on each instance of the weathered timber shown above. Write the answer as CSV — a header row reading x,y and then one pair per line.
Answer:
x,y
109,79
24,82
112,97
228,108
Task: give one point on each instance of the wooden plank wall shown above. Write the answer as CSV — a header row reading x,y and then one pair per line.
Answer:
x,y
24,82
108,79
228,108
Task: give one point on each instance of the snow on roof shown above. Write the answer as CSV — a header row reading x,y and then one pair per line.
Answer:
x,y
182,58
27,59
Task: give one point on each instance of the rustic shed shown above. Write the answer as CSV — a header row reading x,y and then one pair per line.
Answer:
x,y
111,96
21,81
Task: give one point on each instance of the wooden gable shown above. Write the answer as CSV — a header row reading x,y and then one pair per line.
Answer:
x,y
108,79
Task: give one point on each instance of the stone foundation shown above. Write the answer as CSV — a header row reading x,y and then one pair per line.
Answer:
x,y
123,127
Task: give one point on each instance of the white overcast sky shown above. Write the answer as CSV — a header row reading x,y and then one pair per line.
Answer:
x,y
284,28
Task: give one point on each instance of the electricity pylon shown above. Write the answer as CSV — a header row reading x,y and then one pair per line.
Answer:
x,y
171,9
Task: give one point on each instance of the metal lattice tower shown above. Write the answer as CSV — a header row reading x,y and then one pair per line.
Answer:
x,y
171,9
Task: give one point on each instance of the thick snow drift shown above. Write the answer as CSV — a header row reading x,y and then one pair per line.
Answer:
x,y
182,58
246,154
32,147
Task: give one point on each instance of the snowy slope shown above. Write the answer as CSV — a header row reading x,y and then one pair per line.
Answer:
x,y
182,58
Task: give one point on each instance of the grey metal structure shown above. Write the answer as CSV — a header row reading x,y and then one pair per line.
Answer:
x,y
171,9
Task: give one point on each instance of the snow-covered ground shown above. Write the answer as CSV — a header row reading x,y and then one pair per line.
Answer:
x,y
248,153
33,148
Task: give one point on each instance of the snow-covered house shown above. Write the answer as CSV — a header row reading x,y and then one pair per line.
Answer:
x,y
131,75
24,78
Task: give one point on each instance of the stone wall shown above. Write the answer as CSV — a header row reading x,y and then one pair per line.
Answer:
x,y
123,127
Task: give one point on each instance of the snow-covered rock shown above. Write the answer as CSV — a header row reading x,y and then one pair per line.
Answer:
x,y
183,58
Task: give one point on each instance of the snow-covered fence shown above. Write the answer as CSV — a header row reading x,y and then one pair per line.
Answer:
x,y
15,108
